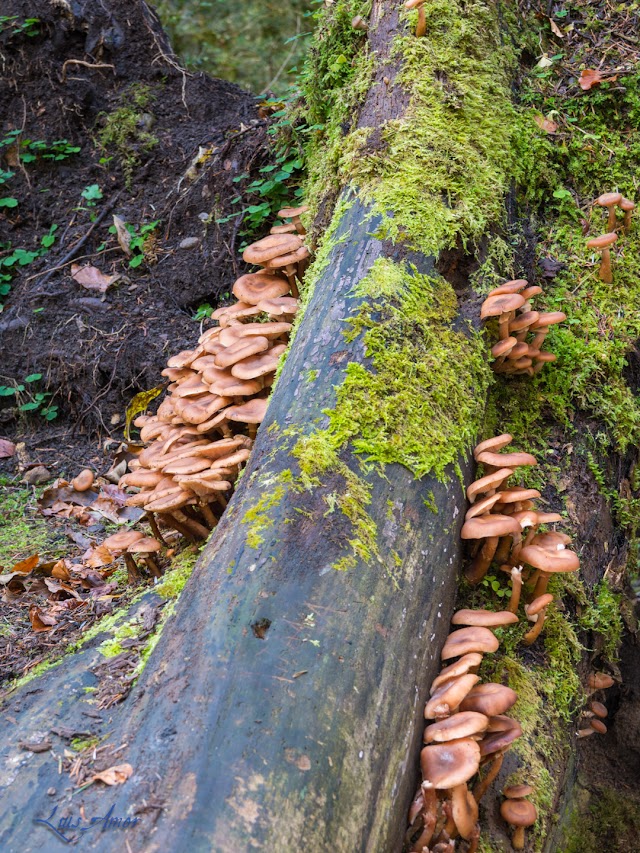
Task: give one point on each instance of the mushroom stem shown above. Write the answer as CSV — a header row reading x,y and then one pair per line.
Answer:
x,y
194,526
430,815
516,589
153,566
503,324
173,522
503,550
480,565
532,635
586,732
611,221
517,840
605,273
541,585
253,430
132,569
209,517
155,529
290,272
483,785
627,220
421,26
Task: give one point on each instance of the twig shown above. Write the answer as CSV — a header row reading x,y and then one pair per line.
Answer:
x,y
80,243
85,65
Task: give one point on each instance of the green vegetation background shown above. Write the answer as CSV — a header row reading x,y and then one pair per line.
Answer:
x,y
255,43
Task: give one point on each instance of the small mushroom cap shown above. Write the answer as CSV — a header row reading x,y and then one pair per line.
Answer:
x,y
449,764
599,710
466,640
258,365
509,287
518,812
488,482
287,228
460,667
485,526
494,444
253,288
122,540
626,205
484,618
267,330
451,694
503,303
489,699
500,741
464,724
482,507
175,499
529,292
546,357
523,321
147,545
600,681
603,241
598,726
609,199
517,792
551,541
281,305
509,496
244,348
503,347
83,481
270,247
538,604
251,412
294,257
290,212
549,561
506,460
141,479
502,723
518,351
548,318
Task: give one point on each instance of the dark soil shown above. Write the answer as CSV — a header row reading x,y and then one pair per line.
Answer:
x,y
95,352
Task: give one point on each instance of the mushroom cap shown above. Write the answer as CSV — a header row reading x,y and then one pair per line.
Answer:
x,y
251,412
269,247
463,724
599,709
253,288
460,667
549,561
529,292
289,212
538,604
449,764
267,330
182,359
239,311
146,545
488,482
287,228
484,526
258,365
501,740
608,199
600,681
187,465
484,618
598,726
548,318
517,792
450,694
496,443
551,541
489,699
506,460
503,347
502,723
546,357
232,387
518,812
83,481
244,348
465,640
503,303
516,495
518,351
141,479
626,204
279,306
528,318
482,507
509,287
603,241
122,540
293,257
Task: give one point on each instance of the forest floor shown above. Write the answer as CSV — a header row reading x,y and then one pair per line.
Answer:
x,y
98,120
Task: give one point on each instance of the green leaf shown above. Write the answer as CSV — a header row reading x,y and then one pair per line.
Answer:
x,y
136,260
92,192
8,202
5,391
33,377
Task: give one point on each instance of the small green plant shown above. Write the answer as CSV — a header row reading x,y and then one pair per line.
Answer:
x,y
203,312
29,400
91,194
21,258
31,150
493,583
10,24
126,131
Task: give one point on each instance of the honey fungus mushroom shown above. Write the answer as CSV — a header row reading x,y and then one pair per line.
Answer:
x,y
628,207
421,25
449,766
602,244
610,201
503,306
520,814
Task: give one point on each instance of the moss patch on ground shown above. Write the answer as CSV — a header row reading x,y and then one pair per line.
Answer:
x,y
23,531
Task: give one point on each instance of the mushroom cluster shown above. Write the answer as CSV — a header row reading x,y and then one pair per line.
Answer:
x,y
511,304
204,428
603,243
596,712
470,731
517,811
503,527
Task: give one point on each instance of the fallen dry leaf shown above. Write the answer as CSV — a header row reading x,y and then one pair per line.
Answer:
x,y
124,238
592,77
98,557
7,448
555,29
40,621
115,775
91,278
545,123
60,571
26,566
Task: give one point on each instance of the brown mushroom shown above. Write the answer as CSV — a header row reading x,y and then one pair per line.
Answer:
x,y
83,481
447,698
489,699
509,287
484,618
488,484
548,562
518,792
494,444
464,724
541,326
602,244
466,640
600,681
496,461
610,201
519,814
421,25
536,611
504,307
147,547
294,213
252,288
467,663
628,207
489,528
